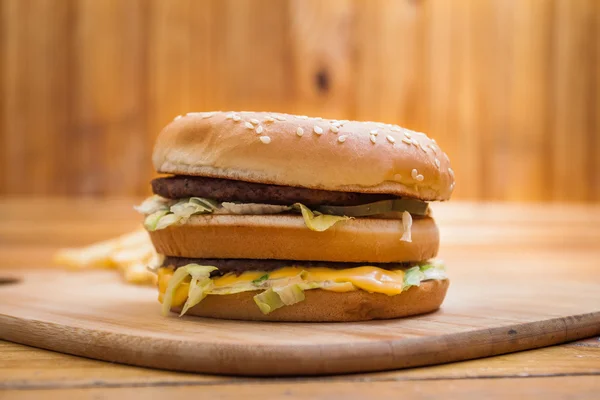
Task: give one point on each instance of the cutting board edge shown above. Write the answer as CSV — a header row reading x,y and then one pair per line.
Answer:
x,y
285,360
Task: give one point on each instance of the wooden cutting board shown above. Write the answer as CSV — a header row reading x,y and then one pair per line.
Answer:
x,y
522,276
486,313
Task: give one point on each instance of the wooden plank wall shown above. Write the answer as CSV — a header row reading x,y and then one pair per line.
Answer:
x,y
510,88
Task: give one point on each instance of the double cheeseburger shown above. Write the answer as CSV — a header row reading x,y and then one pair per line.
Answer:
x,y
277,217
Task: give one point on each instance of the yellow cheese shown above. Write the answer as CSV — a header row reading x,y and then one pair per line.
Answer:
x,y
370,279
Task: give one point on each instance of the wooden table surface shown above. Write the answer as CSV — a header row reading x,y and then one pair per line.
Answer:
x,y
568,236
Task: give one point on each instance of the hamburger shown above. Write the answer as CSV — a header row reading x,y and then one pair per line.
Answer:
x,y
277,217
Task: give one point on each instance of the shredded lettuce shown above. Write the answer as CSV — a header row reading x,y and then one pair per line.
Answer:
x,y
277,297
316,221
151,220
199,285
232,289
280,291
177,279
208,204
412,277
165,212
434,271
167,220
185,209
161,213
153,204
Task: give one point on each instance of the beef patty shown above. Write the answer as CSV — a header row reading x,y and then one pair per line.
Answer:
x,y
237,266
176,187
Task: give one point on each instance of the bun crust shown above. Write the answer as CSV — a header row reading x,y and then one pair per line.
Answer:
x,y
326,306
283,149
285,237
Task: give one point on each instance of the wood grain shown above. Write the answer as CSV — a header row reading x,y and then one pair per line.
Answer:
x,y
551,249
27,368
508,87
585,387
549,240
97,316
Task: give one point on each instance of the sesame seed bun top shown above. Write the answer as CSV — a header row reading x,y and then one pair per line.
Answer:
x,y
283,149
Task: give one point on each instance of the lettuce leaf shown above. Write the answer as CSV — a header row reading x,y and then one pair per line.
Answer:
x,y
412,277
194,205
153,204
162,212
434,270
167,220
177,279
316,221
151,220
277,297
199,285
279,292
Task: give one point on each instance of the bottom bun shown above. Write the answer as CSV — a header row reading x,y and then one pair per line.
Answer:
x,y
327,306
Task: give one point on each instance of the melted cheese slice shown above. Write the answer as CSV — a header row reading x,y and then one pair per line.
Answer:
x,y
370,279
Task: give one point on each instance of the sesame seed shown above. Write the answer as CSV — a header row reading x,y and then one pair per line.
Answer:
x,y
248,125
415,142
373,139
342,122
396,128
374,132
337,124
342,138
433,147
318,118
334,129
451,172
318,130
265,139
390,139
254,121
380,125
229,116
420,177
300,131
280,118
406,140
208,115
437,162
236,118
302,117
259,130
269,119
177,117
407,134
433,140
414,173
